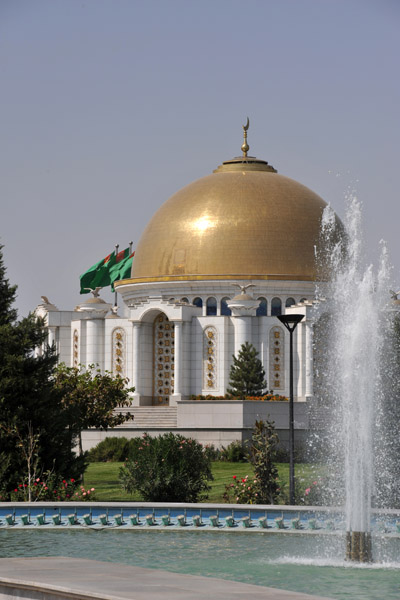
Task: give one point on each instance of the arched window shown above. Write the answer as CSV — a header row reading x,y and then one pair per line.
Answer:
x,y
225,310
171,300
185,300
290,302
211,307
198,302
303,299
262,308
276,307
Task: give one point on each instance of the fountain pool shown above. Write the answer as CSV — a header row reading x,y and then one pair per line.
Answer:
x,y
298,562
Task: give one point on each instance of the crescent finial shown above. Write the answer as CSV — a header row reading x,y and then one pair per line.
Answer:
x,y
245,147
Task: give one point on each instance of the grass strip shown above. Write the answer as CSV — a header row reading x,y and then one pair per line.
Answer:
x,y
104,477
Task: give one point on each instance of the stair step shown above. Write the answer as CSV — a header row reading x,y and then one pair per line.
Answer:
x,y
151,416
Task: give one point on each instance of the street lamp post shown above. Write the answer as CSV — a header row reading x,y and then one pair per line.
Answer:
x,y
290,322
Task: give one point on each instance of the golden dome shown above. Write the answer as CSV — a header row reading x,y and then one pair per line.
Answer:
x,y
242,222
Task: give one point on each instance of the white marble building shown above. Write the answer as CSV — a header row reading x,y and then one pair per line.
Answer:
x,y
182,314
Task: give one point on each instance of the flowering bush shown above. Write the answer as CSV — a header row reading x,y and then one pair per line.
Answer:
x,y
242,490
51,488
268,397
84,495
316,493
167,468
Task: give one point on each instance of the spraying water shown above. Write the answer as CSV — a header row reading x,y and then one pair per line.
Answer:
x,y
357,304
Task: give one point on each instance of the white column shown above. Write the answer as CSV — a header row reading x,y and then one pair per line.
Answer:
x,y
309,359
136,362
177,362
242,327
51,336
94,342
264,346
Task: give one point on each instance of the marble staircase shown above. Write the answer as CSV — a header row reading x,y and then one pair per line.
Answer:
x,y
151,417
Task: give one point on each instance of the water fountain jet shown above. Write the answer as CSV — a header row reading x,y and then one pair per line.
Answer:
x,y
357,305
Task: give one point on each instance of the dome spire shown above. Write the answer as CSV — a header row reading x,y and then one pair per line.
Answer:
x,y
245,147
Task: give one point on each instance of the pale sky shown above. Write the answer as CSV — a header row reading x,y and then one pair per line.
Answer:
x,y
108,107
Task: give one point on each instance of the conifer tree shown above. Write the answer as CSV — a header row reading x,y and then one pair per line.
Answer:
x,y
31,411
247,375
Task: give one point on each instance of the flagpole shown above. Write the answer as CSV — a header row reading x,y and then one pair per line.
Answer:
x,y
115,293
130,248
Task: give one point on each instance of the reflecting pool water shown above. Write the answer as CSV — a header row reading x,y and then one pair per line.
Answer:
x,y
294,561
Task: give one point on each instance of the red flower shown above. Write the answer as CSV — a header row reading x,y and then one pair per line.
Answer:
x,y
16,490
234,477
72,480
20,485
64,481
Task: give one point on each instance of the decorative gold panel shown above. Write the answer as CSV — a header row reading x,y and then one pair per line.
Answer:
x,y
118,345
163,374
75,361
210,358
276,361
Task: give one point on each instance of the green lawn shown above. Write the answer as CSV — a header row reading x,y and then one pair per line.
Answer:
x,y
104,478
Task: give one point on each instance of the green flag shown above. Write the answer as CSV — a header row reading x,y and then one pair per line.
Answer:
x,y
98,275
122,267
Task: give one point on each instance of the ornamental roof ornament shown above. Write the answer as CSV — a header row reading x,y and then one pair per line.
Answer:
x,y
245,147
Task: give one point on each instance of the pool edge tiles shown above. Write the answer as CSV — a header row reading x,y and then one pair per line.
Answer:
x,y
185,517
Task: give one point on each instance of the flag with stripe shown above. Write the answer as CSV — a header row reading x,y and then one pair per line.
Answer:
x,y
98,275
122,267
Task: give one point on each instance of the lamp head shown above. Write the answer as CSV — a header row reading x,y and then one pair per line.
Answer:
x,y
290,321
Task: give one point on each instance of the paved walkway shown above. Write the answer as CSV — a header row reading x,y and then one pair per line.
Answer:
x,y
79,579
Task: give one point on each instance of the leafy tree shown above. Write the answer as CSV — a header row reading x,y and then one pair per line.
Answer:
x,y
264,442
246,377
167,468
33,436
89,398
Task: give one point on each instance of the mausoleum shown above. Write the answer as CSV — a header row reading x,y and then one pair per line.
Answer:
x,y
214,267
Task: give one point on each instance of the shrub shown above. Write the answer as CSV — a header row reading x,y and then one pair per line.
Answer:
x,y
264,487
212,452
235,452
111,449
167,468
264,442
